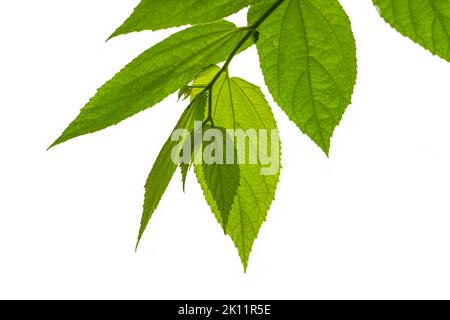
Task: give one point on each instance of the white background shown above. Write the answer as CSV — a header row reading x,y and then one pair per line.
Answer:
x,y
370,222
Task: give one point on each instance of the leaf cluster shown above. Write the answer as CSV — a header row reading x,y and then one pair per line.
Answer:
x,y
307,55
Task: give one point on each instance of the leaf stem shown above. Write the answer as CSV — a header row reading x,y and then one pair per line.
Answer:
x,y
251,30
210,107
210,116
247,36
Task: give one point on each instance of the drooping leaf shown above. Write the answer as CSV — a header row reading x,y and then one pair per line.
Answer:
x,y
164,167
155,74
162,14
238,104
426,22
194,143
308,58
221,178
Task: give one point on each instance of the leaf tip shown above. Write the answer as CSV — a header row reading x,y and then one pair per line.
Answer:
x,y
50,147
54,144
113,35
324,145
245,266
137,243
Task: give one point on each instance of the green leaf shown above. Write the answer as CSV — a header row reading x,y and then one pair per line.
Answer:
x,y
184,168
161,14
238,104
308,58
222,179
192,145
157,73
426,22
164,167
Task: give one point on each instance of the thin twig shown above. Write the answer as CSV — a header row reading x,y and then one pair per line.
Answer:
x,y
252,29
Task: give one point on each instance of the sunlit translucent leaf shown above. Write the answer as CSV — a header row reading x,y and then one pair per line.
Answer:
x,y
222,179
164,167
308,58
238,104
157,73
426,22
